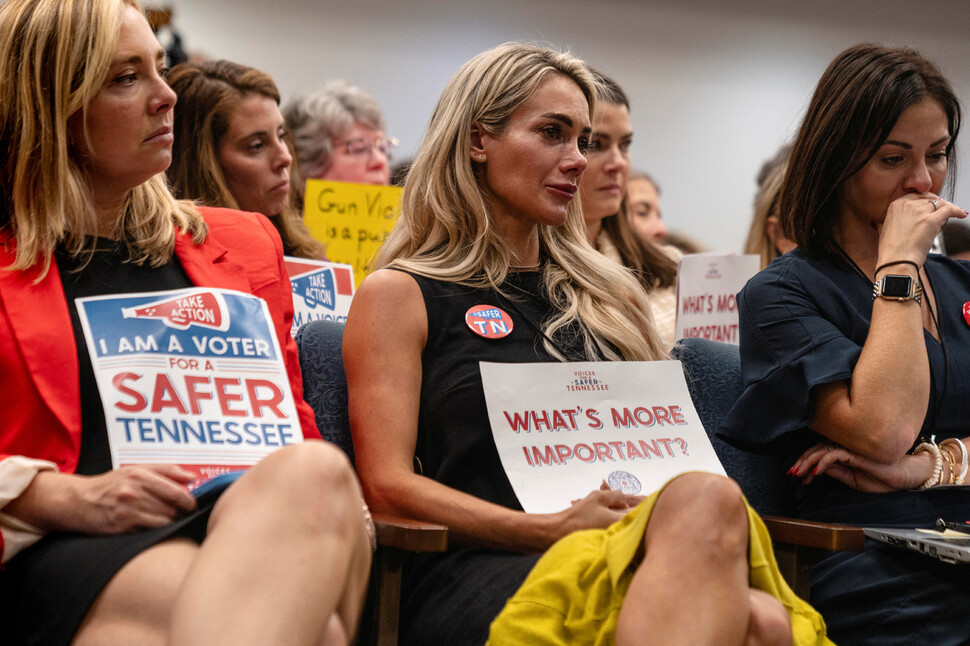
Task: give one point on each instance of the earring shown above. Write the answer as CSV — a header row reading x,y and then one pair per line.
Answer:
x,y
481,158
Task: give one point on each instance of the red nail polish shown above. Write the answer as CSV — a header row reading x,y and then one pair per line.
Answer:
x,y
815,471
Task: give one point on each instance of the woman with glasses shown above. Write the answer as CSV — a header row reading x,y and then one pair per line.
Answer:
x,y
339,135
491,219
232,148
608,227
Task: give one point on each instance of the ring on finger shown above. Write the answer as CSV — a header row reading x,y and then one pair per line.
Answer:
x,y
935,203
830,446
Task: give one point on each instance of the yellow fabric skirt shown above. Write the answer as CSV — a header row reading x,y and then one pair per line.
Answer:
x,y
573,595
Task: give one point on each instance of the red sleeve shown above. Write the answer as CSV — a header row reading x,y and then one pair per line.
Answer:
x,y
284,321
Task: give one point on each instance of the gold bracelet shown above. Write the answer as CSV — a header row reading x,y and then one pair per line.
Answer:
x,y
950,461
963,458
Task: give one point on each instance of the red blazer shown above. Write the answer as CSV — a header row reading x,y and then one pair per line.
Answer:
x,y
40,406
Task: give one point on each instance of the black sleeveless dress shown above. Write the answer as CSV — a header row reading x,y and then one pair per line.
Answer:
x,y
46,590
452,598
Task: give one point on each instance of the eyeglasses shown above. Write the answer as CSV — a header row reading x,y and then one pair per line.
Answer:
x,y
363,147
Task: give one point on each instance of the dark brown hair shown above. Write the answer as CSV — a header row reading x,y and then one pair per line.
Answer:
x,y
855,106
651,265
208,94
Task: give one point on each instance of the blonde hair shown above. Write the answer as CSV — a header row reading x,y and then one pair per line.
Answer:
x,y
444,231
767,203
56,59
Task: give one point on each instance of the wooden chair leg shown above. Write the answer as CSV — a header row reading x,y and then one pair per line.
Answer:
x,y
796,562
379,623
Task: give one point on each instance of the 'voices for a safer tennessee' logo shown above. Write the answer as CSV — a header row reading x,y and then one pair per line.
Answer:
x,y
202,309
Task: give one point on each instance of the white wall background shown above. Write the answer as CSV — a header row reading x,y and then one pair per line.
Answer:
x,y
716,86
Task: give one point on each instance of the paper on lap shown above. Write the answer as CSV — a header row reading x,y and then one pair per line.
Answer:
x,y
193,377
561,429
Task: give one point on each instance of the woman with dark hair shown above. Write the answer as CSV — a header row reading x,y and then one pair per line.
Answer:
x,y
603,189
232,148
854,346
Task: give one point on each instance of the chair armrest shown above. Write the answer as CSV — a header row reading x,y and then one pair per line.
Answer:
x,y
807,533
409,534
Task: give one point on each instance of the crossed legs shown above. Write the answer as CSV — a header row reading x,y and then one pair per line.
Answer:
x,y
692,584
285,561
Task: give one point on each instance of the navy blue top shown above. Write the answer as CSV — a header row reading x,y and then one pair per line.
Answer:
x,y
803,322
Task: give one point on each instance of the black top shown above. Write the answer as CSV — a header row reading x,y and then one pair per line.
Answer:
x,y
455,444
110,271
803,322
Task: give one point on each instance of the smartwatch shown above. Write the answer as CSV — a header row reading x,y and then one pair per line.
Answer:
x,y
896,287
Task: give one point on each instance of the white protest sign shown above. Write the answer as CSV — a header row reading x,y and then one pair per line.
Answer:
x,y
193,377
321,290
706,287
561,429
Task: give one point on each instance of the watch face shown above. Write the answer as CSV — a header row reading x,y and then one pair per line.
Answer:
x,y
896,286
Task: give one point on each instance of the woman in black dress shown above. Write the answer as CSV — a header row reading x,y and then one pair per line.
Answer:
x,y
491,217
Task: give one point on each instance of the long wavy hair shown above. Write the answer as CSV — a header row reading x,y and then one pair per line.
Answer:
x,y
208,95
445,232
56,58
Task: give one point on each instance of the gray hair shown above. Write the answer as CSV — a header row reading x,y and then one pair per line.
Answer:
x,y
316,119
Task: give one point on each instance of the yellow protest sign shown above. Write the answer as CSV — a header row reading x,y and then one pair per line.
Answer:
x,y
351,219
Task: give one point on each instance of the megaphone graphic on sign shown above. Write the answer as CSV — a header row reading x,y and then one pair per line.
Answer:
x,y
202,309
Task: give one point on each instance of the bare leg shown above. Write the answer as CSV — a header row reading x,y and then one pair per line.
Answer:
x,y
769,623
135,607
285,561
692,586
285,550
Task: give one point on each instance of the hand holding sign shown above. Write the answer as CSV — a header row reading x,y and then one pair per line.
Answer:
x,y
114,502
600,508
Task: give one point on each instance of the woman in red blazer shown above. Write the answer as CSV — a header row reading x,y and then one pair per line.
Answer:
x,y
128,555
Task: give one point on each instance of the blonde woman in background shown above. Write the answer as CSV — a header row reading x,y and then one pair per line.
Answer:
x,y
766,237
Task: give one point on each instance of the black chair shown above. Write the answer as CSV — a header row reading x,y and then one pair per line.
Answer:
x,y
325,389
713,373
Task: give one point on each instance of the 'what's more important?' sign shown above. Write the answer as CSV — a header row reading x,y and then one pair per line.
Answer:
x,y
193,377
706,303
562,429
